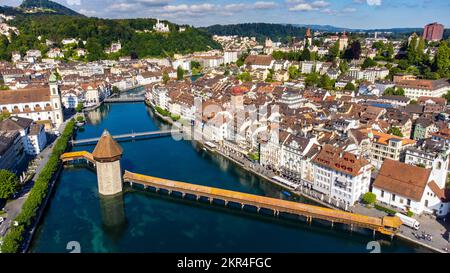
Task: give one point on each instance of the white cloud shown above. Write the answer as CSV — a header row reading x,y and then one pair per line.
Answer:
x,y
320,4
153,3
235,7
87,12
302,7
123,7
195,9
73,2
294,1
374,2
264,5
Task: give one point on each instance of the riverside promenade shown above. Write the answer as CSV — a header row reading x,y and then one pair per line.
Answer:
x,y
15,206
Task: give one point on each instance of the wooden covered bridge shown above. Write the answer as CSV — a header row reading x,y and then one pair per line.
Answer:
x,y
386,225
106,159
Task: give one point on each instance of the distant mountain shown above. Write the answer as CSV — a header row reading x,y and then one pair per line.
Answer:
x,y
329,28
9,10
281,32
325,28
39,7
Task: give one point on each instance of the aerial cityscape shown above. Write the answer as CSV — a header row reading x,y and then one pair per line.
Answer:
x,y
188,126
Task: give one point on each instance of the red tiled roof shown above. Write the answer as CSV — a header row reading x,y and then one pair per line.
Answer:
x,y
337,159
402,179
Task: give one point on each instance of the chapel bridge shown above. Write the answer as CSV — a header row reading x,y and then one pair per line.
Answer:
x,y
106,159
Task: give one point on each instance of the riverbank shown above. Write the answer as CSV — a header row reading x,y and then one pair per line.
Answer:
x,y
93,107
243,166
283,186
19,236
40,212
77,212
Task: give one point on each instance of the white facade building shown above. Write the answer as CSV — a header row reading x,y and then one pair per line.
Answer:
x,y
38,104
341,175
412,188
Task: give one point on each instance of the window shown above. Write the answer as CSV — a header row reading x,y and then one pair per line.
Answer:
x,y
408,202
382,194
426,203
393,197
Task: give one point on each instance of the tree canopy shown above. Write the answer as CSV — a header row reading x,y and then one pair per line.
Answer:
x,y
277,32
395,131
394,92
350,86
368,62
133,34
9,184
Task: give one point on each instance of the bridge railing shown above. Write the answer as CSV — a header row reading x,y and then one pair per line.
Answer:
x,y
132,135
384,225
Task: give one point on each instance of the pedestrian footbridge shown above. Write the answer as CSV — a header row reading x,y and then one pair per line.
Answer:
x,y
386,225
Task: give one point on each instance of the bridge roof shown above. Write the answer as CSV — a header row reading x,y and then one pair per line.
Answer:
x,y
107,148
303,209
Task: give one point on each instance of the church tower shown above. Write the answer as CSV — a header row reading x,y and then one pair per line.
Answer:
x,y
107,155
308,39
55,98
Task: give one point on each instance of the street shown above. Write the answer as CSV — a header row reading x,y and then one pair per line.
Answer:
x,y
13,207
438,229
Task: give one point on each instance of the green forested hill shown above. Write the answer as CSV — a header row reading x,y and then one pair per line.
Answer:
x,y
259,30
100,33
48,6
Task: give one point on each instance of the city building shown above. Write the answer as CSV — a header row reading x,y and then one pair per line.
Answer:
x,y
423,128
343,41
39,104
260,61
428,153
442,135
230,56
341,175
433,104
415,89
308,38
32,135
385,146
161,27
411,188
433,32
293,152
11,150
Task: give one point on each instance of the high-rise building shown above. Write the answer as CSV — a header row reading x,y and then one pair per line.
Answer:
x,y
433,32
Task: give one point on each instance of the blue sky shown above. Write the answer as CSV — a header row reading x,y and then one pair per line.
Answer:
x,y
342,13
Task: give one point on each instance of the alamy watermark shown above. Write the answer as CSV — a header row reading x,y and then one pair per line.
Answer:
x,y
235,122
